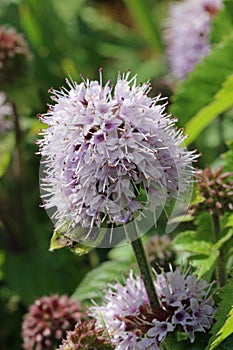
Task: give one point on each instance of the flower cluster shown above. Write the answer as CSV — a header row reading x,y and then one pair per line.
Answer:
x,y
103,147
185,304
48,320
215,187
14,53
5,111
86,336
187,34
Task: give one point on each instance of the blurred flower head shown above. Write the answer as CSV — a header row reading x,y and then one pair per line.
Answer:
x,y
185,304
14,53
160,251
47,321
5,112
86,336
216,191
187,34
108,153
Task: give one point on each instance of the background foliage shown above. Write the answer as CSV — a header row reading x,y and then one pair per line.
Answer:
x,y
79,36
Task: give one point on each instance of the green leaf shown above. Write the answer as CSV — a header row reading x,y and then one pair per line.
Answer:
x,y
228,157
205,264
225,331
229,6
180,341
205,227
222,101
6,150
198,246
189,242
97,279
221,26
31,27
203,83
123,253
221,329
39,272
229,222
218,245
142,13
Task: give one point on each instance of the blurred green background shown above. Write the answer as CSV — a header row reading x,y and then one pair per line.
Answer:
x,y
73,36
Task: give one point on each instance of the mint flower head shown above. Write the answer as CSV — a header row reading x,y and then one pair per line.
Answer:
x,y
109,154
187,34
185,304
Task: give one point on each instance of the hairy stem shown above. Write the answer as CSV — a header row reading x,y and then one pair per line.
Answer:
x,y
220,268
145,269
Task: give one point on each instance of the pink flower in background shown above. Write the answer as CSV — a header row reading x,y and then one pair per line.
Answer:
x,y
47,321
187,34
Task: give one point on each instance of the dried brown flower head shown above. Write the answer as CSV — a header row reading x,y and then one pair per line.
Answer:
x,y
216,190
86,337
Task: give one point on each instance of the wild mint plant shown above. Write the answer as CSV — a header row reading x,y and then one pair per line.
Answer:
x,y
115,34
212,219
185,304
103,149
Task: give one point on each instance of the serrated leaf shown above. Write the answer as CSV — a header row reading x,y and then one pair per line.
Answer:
x,y
222,313
188,241
205,264
203,83
198,246
96,280
225,331
222,101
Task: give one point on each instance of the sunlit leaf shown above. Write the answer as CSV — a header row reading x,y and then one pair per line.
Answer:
x,y
6,150
144,19
222,101
204,82
96,280
225,331
224,317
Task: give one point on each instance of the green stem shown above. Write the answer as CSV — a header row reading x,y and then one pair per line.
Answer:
x,y
220,268
145,270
